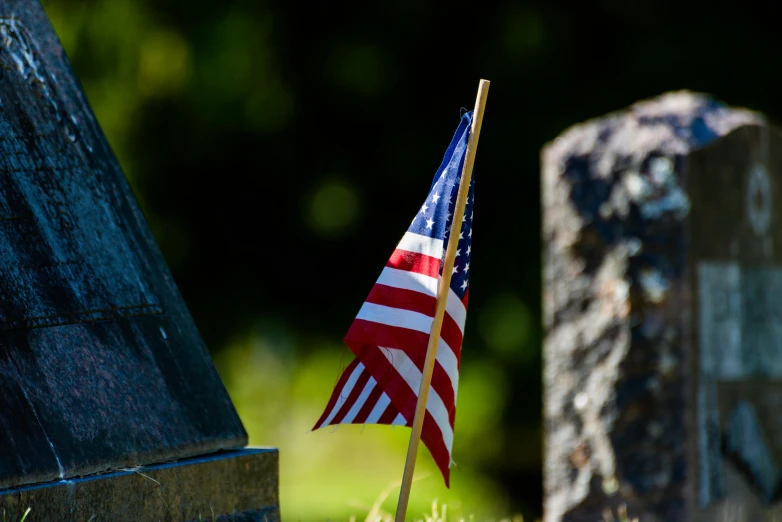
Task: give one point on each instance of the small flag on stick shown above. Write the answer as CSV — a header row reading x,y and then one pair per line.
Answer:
x,y
409,318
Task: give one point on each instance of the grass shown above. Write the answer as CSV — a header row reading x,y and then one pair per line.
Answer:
x,y
23,516
439,512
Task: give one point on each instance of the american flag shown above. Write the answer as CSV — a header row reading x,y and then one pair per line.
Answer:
x,y
391,332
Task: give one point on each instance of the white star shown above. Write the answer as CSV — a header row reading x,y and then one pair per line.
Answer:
x,y
471,215
435,198
464,285
464,218
469,249
461,235
423,209
429,223
448,216
455,270
470,234
458,253
466,268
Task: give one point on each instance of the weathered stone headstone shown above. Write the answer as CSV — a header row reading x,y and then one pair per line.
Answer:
x,y
663,315
101,366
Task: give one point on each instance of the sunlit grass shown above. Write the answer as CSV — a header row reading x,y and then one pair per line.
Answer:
x,y
24,516
439,512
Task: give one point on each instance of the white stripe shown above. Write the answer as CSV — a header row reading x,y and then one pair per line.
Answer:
x,y
447,360
419,244
413,321
380,407
399,420
412,376
408,281
455,308
426,285
343,395
395,317
359,402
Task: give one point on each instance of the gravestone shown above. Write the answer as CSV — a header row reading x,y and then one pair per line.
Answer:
x,y
101,366
663,315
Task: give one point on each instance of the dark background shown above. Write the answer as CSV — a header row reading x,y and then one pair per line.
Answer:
x,y
280,149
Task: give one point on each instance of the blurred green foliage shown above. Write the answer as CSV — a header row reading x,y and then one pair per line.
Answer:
x,y
279,150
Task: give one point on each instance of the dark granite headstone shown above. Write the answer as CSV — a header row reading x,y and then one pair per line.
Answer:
x,y
101,366
663,315
233,486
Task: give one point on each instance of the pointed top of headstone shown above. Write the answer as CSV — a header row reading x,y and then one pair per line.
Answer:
x,y
101,365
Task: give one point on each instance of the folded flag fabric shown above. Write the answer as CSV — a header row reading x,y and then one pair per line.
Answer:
x,y
390,335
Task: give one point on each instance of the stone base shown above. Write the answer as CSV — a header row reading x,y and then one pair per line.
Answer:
x,y
240,485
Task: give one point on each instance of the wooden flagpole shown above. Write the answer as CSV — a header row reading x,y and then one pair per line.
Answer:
x,y
442,297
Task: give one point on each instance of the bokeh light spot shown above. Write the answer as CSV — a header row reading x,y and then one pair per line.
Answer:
x,y
505,325
164,63
333,209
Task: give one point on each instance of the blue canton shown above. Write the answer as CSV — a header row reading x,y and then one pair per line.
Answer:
x,y
436,214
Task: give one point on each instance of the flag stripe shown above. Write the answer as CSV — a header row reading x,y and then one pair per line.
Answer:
x,y
388,415
379,408
412,376
397,317
408,281
400,298
415,302
370,404
403,324
360,400
352,397
426,285
344,385
399,420
456,308
445,376
414,262
429,246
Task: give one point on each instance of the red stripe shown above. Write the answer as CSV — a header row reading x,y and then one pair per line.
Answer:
x,y
415,302
402,397
369,405
404,400
413,343
337,392
402,298
413,262
389,415
451,334
375,334
354,394
433,438
363,331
